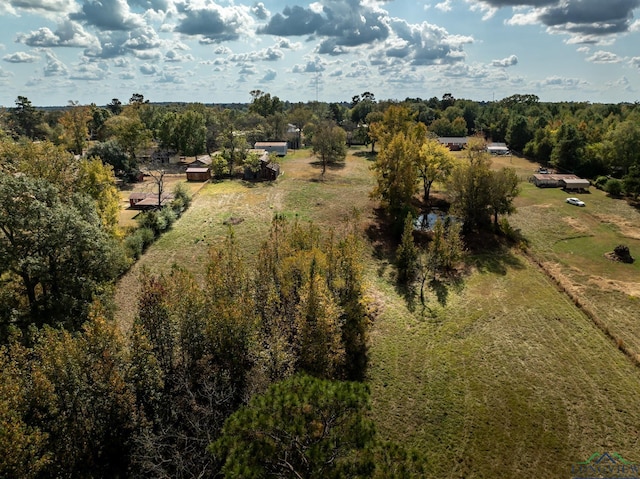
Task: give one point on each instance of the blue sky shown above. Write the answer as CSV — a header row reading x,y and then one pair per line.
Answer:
x,y
214,51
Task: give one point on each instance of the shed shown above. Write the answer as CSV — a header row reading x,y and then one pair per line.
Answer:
x,y
145,201
198,174
551,180
498,149
575,184
454,143
135,198
277,147
269,170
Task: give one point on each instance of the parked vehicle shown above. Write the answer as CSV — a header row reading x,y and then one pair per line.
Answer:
x,y
575,201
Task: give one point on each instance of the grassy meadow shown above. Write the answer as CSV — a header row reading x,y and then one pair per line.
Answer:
x,y
499,375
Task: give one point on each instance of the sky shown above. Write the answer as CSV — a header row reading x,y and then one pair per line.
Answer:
x,y
216,51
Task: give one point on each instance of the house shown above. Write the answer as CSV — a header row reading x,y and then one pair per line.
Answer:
x,y
277,147
198,173
454,143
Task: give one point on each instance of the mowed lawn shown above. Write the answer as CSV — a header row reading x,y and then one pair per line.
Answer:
x,y
500,375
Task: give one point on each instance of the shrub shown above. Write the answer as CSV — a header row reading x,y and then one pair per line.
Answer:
x,y
134,244
613,187
168,216
139,241
181,197
600,182
147,236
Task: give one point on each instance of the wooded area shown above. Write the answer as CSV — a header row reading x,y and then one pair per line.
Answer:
x,y
261,368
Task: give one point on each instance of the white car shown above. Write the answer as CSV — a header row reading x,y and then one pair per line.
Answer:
x,y
575,201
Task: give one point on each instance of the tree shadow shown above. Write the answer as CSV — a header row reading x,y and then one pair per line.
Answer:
x,y
367,155
334,166
496,261
383,242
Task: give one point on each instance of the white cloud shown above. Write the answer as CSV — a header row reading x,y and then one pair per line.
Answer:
x,y
90,72
173,56
267,54
269,76
149,69
109,15
54,67
21,57
562,82
604,57
622,83
444,6
68,34
260,11
511,60
215,23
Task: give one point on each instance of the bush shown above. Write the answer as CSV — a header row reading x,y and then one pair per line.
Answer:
x,y
219,166
613,187
134,245
182,198
600,182
168,217
147,236
138,242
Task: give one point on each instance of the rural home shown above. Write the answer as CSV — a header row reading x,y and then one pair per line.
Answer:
x,y
277,147
454,143
198,173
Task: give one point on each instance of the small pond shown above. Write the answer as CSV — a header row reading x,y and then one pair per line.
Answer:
x,y
428,221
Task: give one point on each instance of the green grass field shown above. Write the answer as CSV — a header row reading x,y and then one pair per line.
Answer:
x,y
500,375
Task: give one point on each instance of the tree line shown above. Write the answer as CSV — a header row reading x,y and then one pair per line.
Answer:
x,y
587,139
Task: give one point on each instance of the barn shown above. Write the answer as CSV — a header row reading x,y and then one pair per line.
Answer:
x,y
454,143
198,174
567,182
277,147
269,170
575,184
498,149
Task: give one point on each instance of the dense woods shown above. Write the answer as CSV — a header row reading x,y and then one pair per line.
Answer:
x,y
260,369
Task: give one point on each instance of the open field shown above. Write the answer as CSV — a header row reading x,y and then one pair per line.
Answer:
x,y
500,375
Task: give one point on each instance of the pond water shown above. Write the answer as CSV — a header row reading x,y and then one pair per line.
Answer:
x,y
428,221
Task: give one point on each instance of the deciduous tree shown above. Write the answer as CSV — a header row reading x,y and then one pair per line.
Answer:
x,y
434,162
75,122
329,144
